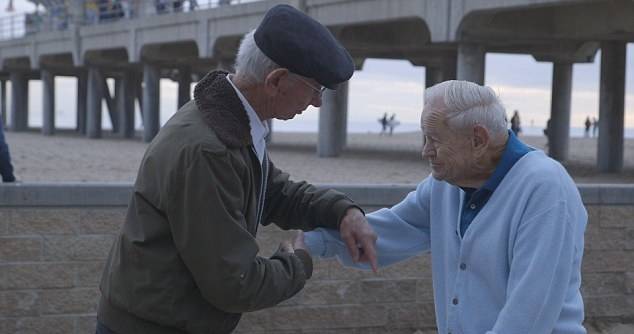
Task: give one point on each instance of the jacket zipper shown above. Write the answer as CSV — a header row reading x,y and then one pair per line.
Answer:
x,y
263,182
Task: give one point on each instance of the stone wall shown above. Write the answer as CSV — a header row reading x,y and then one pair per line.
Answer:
x,y
54,240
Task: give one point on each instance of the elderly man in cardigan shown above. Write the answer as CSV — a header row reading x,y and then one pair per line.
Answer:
x,y
186,260
504,223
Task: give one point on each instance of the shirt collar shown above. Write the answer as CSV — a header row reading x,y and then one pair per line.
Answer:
x,y
513,151
259,129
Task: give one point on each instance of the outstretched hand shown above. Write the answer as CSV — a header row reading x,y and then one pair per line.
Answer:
x,y
359,237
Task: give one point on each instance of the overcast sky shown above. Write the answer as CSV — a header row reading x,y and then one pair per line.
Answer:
x,y
395,86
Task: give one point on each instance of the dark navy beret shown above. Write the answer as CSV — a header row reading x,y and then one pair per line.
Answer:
x,y
299,43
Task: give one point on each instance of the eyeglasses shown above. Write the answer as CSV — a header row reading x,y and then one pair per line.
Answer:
x,y
318,91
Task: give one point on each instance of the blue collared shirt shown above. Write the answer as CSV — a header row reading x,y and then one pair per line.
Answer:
x,y
475,199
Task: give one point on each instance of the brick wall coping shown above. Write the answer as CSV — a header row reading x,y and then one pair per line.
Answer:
x,y
117,194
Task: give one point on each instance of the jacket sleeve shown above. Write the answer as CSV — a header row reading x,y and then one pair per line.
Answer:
x,y
300,205
205,213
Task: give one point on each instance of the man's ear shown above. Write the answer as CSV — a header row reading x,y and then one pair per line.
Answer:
x,y
273,81
481,139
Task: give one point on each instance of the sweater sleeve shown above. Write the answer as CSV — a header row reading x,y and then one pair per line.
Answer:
x,y
210,232
540,271
403,232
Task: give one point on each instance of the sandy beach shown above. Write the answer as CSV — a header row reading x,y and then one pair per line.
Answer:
x,y
368,158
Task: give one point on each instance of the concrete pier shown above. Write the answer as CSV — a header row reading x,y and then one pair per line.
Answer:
x,y
48,102
125,104
19,101
82,100
3,101
93,119
470,63
611,107
151,98
184,86
332,121
559,132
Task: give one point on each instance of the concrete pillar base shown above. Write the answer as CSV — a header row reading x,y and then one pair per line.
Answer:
x,y
559,131
95,96
82,100
332,122
611,107
151,99
19,102
125,104
470,63
184,86
48,103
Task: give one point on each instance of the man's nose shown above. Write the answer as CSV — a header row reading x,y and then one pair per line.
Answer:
x,y
427,151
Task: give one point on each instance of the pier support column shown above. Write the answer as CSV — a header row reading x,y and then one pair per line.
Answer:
x,y
82,96
470,63
433,75
611,107
3,102
95,96
125,103
151,99
332,121
184,86
48,102
19,101
559,131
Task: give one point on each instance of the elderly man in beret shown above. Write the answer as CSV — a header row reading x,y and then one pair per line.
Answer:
x,y
504,223
186,260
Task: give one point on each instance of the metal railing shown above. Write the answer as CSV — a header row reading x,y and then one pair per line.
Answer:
x,y
57,18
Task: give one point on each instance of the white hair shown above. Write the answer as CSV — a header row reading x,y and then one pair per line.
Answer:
x,y
252,65
466,104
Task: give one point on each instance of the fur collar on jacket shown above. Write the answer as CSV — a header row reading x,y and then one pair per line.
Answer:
x,y
222,109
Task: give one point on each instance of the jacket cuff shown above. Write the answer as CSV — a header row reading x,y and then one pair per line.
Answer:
x,y
306,260
340,208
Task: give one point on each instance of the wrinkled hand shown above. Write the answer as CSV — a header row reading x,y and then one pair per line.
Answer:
x,y
359,237
298,242
286,246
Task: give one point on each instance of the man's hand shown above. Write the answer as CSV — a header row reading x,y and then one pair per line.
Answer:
x,y
359,237
298,242
286,247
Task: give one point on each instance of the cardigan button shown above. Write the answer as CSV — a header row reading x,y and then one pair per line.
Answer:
x,y
472,206
463,266
455,301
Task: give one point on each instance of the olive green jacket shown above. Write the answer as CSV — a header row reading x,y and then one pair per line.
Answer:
x,y
186,259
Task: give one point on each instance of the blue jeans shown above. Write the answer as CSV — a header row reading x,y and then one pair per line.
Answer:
x,y
102,329
6,169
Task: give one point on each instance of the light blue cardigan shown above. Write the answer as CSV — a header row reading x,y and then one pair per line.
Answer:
x,y
518,268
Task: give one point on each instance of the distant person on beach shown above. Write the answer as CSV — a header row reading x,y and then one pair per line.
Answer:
x,y
504,223
383,121
587,125
6,168
186,259
515,123
392,123
595,126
